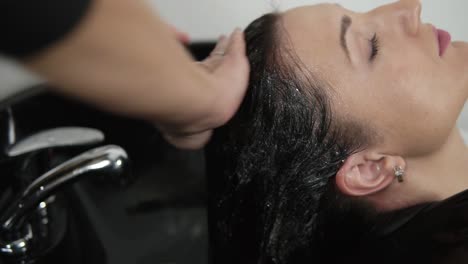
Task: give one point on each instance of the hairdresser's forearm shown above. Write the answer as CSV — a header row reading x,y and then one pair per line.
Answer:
x,y
125,59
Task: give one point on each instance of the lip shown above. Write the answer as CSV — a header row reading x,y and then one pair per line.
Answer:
x,y
443,40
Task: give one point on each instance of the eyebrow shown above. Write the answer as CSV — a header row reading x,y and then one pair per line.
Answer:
x,y
345,24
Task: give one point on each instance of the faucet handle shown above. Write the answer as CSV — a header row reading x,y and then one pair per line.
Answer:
x,y
57,137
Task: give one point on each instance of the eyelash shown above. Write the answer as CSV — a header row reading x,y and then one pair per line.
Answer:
x,y
375,46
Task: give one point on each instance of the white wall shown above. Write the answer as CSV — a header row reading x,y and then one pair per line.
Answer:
x,y
207,19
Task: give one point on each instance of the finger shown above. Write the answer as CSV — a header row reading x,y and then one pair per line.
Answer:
x,y
236,47
234,70
221,46
235,64
213,61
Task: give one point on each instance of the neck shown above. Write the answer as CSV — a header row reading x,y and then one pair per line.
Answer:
x,y
431,178
441,174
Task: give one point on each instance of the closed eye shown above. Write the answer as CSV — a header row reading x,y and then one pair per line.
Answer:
x,y
375,46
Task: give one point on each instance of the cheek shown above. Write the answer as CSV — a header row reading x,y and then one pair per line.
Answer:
x,y
426,89
410,103
412,111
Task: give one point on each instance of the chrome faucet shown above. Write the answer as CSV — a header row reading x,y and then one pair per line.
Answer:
x,y
17,236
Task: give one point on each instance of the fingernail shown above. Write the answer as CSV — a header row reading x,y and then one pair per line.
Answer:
x,y
221,38
236,30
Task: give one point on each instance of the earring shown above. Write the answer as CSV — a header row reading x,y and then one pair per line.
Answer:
x,y
399,173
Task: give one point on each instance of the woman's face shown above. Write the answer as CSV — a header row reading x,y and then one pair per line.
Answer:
x,y
386,69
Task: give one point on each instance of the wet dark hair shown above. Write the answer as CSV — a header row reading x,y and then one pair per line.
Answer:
x,y
272,194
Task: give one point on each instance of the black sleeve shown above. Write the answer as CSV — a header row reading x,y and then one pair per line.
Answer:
x,y
29,26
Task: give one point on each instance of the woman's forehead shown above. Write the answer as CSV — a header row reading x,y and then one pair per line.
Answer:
x,y
310,25
314,34
307,13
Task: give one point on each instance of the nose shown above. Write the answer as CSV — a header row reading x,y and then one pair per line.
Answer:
x,y
409,13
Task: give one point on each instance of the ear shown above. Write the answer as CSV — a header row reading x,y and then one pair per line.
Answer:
x,y
367,172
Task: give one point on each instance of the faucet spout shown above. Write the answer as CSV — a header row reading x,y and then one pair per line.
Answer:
x,y
110,160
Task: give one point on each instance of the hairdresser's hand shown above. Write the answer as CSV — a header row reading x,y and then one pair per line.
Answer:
x,y
147,74
228,69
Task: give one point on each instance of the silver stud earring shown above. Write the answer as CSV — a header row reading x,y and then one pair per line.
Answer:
x,y
399,173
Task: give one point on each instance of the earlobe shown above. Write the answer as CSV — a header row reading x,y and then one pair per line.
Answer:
x,y
366,173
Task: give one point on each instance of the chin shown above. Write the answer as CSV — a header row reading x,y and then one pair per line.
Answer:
x,y
460,44
460,48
